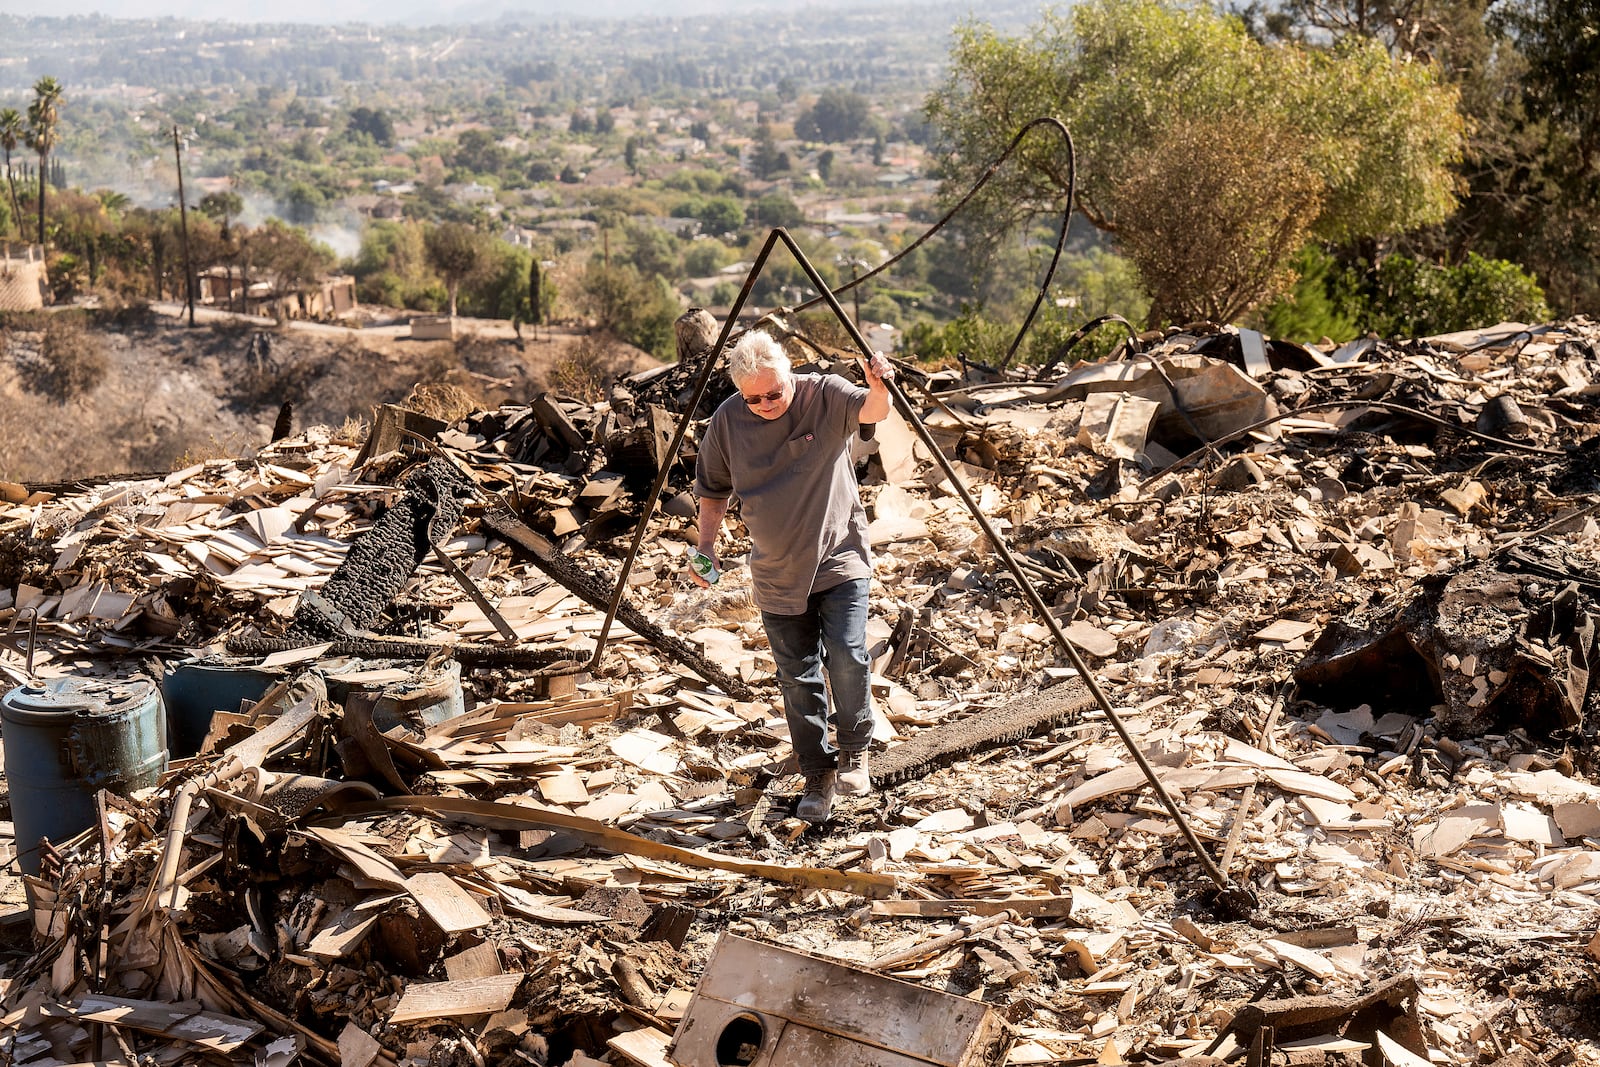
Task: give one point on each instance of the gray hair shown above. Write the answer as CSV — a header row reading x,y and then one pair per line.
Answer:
x,y
755,352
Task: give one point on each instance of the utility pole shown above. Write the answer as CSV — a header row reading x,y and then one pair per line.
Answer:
x,y
855,264
855,291
183,217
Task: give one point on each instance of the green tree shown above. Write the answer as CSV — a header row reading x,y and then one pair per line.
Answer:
x,y
720,215
44,117
536,291
1420,28
458,252
392,263
83,227
766,160
1524,69
477,152
499,288
374,123
705,257
1535,172
307,149
12,133
837,115
777,209
289,255
303,200
640,309
1325,301
652,249
881,308
222,208
1359,145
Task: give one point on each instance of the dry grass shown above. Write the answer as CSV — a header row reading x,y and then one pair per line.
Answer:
x,y
352,431
444,401
589,367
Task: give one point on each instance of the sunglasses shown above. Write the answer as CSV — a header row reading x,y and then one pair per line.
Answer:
x,y
763,398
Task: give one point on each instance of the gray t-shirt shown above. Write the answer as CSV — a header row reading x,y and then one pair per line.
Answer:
x,y
796,486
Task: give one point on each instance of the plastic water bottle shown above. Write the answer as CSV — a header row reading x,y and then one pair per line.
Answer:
x,y
704,566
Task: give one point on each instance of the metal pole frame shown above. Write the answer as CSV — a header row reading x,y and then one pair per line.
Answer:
x,y
1231,896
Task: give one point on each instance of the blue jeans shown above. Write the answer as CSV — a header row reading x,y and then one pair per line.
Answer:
x,y
831,635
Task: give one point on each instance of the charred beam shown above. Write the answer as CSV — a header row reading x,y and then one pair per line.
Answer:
x,y
381,561
988,729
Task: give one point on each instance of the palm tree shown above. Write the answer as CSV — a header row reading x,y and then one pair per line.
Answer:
x,y
12,133
43,115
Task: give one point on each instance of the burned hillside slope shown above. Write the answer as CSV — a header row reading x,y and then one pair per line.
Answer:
x,y
138,391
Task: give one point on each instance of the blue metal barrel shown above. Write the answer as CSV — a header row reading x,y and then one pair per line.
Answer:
x,y
69,737
423,699
196,689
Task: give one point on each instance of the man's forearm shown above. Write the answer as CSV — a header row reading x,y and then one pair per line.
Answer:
x,y
875,408
712,511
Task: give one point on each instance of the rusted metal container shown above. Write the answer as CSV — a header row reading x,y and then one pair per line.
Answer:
x,y
67,738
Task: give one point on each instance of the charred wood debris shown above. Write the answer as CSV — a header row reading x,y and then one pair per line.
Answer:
x,y
1345,599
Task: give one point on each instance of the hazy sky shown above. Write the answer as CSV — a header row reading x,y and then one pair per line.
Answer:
x,y
431,11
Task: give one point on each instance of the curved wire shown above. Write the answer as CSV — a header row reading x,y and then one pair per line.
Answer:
x,y
1084,331
988,173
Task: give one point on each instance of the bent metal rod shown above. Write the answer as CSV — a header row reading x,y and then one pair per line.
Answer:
x,y
1232,897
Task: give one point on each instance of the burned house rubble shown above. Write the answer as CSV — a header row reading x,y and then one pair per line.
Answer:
x,y
352,752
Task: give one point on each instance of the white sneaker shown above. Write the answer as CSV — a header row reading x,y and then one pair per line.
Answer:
x,y
816,804
854,779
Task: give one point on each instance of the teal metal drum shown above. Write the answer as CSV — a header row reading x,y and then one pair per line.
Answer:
x,y
196,689
405,693
67,738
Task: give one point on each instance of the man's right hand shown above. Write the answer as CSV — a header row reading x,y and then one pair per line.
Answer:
x,y
695,575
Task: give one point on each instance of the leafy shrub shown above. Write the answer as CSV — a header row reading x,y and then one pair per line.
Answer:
x,y
1324,301
1414,299
640,310
1403,297
1488,291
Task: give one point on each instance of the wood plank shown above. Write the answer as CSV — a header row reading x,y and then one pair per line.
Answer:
x,y
372,867
479,961
357,1048
206,1029
445,1000
850,1002
340,936
1025,907
512,817
645,1047
1313,963
452,909
564,788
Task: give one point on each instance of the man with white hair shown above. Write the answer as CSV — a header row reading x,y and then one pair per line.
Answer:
x,y
782,446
